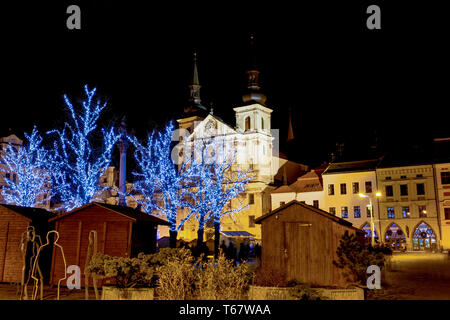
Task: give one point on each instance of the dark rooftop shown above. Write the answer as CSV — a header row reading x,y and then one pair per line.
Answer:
x,y
352,166
30,213
127,211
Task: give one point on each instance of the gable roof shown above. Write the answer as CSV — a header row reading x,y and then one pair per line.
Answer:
x,y
32,214
352,166
308,182
133,214
283,189
311,208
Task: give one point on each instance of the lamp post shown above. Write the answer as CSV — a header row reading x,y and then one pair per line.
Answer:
x,y
378,194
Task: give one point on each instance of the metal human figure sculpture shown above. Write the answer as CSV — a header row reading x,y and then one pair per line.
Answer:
x,y
91,246
36,264
29,236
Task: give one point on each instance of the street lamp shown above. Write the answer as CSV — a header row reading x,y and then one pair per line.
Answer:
x,y
378,194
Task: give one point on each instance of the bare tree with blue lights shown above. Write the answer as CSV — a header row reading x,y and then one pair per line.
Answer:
x,y
77,165
26,179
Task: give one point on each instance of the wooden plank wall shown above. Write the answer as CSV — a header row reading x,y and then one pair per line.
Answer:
x,y
112,236
304,253
12,226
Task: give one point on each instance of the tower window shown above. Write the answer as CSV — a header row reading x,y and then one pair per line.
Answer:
x,y
247,123
262,123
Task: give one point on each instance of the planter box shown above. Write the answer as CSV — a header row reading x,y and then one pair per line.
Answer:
x,y
343,294
113,293
275,293
269,293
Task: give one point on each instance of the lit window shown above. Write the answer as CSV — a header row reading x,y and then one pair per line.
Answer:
x,y
282,203
368,211
405,212
422,211
332,210
315,203
357,211
344,212
391,213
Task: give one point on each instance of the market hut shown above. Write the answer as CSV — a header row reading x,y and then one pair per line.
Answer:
x,y
121,231
300,241
14,221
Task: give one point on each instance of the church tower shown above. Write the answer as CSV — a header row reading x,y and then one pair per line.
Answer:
x,y
254,124
194,112
253,115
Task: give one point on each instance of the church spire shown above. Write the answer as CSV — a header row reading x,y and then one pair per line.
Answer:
x,y
253,94
195,103
290,135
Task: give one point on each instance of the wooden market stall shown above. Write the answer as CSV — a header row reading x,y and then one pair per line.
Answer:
x,y
121,231
14,221
300,241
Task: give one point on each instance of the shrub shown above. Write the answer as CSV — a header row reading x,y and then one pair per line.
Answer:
x,y
354,258
126,272
305,292
219,279
176,275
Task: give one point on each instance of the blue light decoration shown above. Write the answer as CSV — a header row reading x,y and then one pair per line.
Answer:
x,y
159,180
216,183
27,164
76,167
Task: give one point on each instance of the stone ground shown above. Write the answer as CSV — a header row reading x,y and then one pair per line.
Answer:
x,y
415,276
11,292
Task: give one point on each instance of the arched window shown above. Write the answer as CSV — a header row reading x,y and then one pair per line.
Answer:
x,y
247,123
262,123
424,237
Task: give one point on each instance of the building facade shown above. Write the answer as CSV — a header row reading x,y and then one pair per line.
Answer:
x,y
255,148
307,189
408,211
343,185
442,181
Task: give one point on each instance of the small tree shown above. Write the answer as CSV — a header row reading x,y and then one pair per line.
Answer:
x,y
76,165
28,163
354,258
215,183
161,182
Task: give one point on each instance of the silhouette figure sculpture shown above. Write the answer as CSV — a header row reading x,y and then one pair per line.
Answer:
x,y
29,245
36,264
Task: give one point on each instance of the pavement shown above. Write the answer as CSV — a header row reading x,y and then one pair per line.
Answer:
x,y
12,292
415,276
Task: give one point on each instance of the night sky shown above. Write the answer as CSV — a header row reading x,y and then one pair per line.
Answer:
x,y
342,82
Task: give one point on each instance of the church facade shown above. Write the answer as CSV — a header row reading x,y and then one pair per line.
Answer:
x,y
256,149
